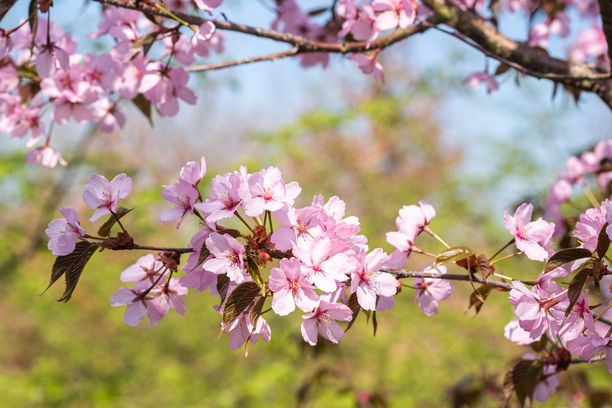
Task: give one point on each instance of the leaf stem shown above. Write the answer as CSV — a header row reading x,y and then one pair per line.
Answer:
x,y
503,258
436,236
501,249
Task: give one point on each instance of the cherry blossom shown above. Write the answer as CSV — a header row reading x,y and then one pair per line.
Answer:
x,y
64,232
291,288
323,321
429,291
369,282
103,195
530,237
227,257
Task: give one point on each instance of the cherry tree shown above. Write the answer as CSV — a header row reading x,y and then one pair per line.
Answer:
x,y
313,260
152,48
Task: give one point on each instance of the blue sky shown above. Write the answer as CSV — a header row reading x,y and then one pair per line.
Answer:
x,y
264,96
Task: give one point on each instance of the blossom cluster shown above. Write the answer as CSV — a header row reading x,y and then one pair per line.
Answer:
x,y
313,261
43,71
45,79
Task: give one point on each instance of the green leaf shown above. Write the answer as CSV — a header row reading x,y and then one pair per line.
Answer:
x,y
575,287
353,304
64,263
603,242
453,255
222,286
239,300
479,296
106,228
144,106
564,256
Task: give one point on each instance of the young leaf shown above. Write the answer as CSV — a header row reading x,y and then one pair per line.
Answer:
x,y
65,262
603,242
105,229
483,267
522,379
5,6
575,287
374,322
72,271
353,304
453,255
564,256
205,253
144,106
239,300
255,311
479,296
222,286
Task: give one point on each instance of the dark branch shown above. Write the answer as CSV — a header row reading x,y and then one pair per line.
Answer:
x,y
450,276
605,8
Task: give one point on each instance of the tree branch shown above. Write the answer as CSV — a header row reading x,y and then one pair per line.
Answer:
x,y
248,60
450,276
534,61
305,45
605,8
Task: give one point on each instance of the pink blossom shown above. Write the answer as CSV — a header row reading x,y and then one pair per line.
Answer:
x,y
200,41
589,44
548,383
138,304
165,86
579,318
369,65
593,342
146,268
196,277
411,221
227,257
515,333
266,191
539,309
394,13
64,232
46,156
291,288
184,196
369,282
208,5
589,226
242,330
108,114
296,224
323,321
192,172
475,79
103,196
49,58
531,237
226,197
322,267
432,290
